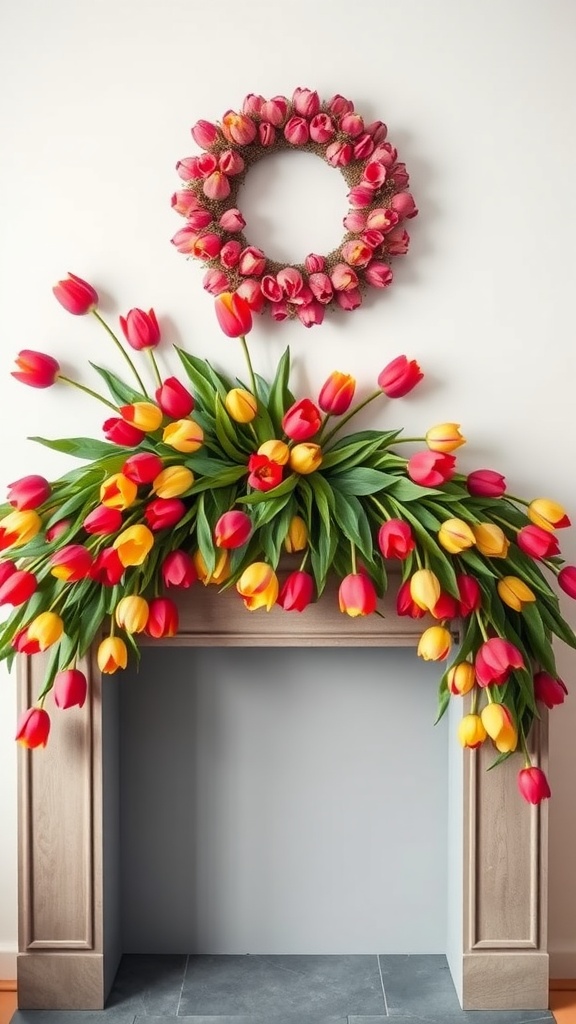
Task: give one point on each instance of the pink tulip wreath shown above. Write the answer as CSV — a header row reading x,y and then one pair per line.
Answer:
x,y
378,204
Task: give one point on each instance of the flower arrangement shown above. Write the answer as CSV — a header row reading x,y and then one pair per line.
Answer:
x,y
378,200
212,479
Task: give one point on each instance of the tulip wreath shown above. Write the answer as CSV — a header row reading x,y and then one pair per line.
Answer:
x,y
211,479
378,204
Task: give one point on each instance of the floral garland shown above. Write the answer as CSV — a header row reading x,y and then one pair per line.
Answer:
x,y
212,479
379,204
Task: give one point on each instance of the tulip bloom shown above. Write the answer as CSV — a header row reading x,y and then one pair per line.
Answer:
x,y
143,467
302,420
76,295
485,483
533,785
107,568
28,492
297,537
232,530
500,727
537,542
455,536
491,540
461,678
445,437
357,595
297,592
122,433
446,607
258,586
173,481
178,569
435,644
514,592
263,473
112,654
17,588
219,574
431,469
567,580
134,544
425,589
470,595
471,731
399,377
233,314
118,492
337,393
276,451
70,688
405,605
162,618
71,563
161,513
57,530
547,514
36,369
174,399
46,629
549,690
17,528
495,660
131,613
7,569
103,520
306,458
143,415
241,405
33,728
395,539
184,436
140,329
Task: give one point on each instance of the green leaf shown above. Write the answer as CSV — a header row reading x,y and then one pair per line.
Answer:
x,y
280,398
353,522
199,373
406,490
204,536
226,434
224,479
268,510
552,618
349,455
121,392
285,487
324,498
82,447
362,481
539,642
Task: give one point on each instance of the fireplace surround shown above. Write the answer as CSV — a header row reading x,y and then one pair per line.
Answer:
x,y
69,920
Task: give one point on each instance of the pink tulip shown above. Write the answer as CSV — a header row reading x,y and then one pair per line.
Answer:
x,y
215,281
485,483
103,520
352,124
230,253
231,163
233,529
350,299
567,580
296,131
377,130
303,298
322,128
252,262
76,295
206,164
124,434
238,128
302,420
356,253
314,264
399,377
174,399
72,563
374,174
355,221
185,239
305,102
338,105
186,202
140,329
363,147
357,595
321,288
216,186
343,278
266,134
36,369
252,104
199,219
271,289
403,204
378,274
386,154
28,492
279,311
143,467
549,690
537,542
233,314
297,592
33,728
431,469
397,242
339,154
311,314
162,618
187,168
70,688
395,539
18,587
232,221
250,290
382,219
399,175
495,660
274,110
372,238
290,281
162,513
533,785
178,569
204,133
207,247
361,196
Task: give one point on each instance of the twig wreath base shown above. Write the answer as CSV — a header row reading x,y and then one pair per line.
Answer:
x,y
378,204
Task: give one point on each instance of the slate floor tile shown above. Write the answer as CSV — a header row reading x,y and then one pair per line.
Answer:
x,y
306,988
72,1017
248,1020
148,984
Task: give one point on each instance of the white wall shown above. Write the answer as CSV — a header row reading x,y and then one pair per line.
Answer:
x,y
97,100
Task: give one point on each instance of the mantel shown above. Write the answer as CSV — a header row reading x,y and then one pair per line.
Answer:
x,y
69,923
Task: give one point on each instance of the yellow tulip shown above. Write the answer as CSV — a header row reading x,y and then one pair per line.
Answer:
x,y
514,592
425,589
131,613
500,727
276,451
118,492
258,586
445,437
134,544
221,570
173,481
434,644
461,678
143,415
241,405
491,540
471,731
547,514
305,458
297,537
184,436
46,629
17,528
455,535
112,654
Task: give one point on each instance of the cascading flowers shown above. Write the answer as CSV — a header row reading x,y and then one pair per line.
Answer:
x,y
212,479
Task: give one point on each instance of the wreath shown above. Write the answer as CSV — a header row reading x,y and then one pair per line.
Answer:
x,y
378,204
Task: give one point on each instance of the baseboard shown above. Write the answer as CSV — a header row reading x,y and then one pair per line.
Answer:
x,y
7,965
563,965
563,984
7,986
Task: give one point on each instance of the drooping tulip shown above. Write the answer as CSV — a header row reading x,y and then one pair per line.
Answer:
x,y
70,688
405,605
296,592
444,437
470,595
471,731
485,483
549,690
258,586
28,492
357,595
500,727
131,613
296,538
219,574
111,655
36,369
46,629
140,329
515,593
33,728
491,540
178,569
425,589
461,678
107,568
537,542
446,607
162,618
495,660
435,643
533,785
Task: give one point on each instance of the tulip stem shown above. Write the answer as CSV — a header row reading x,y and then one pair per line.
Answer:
x,y
244,344
304,560
381,508
88,391
474,701
408,440
521,501
155,367
349,415
482,626
524,745
353,557
121,349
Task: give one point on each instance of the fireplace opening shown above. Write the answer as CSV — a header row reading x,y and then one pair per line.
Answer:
x,y
282,801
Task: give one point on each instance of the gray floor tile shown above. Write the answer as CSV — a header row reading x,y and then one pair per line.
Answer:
x,y
309,988
249,1020
72,1017
420,988
148,985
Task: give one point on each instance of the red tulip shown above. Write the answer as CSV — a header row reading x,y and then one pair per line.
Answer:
x,y
470,594
537,542
337,392
486,483
122,433
178,569
264,473
446,607
162,618
76,295
143,467
25,644
495,660
297,592
29,492
405,605
107,568
59,528
549,690
567,580
233,314
33,728
533,785
7,569
36,369
103,520
164,512
302,420
357,595
399,377
140,329
71,563
18,587
395,539
70,688
232,530
430,469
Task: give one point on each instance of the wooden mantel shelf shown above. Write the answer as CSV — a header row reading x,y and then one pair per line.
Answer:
x,y
69,921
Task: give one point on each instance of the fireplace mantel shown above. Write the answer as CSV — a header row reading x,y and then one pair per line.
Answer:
x,y
69,926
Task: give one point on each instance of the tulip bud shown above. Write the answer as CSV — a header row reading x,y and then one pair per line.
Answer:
x,y
533,785
122,433
297,592
162,513
173,481
216,186
142,468
485,483
296,131
446,607
174,399
28,492
232,530
230,162
310,314
350,299
547,514
378,274
357,595
537,542
252,263
515,593
140,329
275,450
17,588
339,153
321,287
111,655
233,314
471,731
405,605
33,728
445,437
403,204
397,242
549,690
263,473
204,133
71,563
306,102
274,110
296,538
306,458
131,613
206,247
107,568
241,405
46,629
469,593
567,580
290,281
250,290
322,128
495,660
143,415
238,128
229,256
395,539
344,278
118,492
76,295
425,589
455,536
70,688
184,436
337,393
187,204
178,569
219,574
302,420
36,369
133,545
435,644
58,530
500,727
162,618
461,678
491,540
399,377
258,586
103,520
232,221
